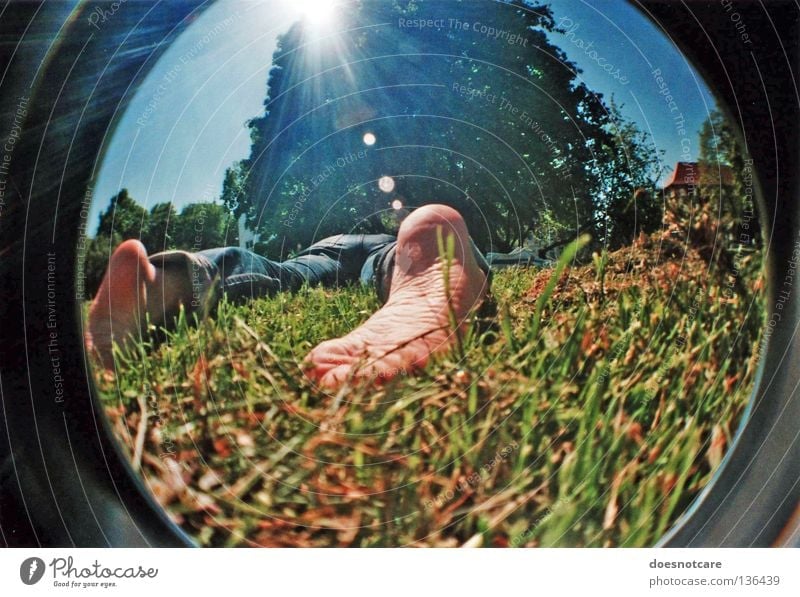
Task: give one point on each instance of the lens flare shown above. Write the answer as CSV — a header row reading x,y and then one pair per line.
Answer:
x,y
386,184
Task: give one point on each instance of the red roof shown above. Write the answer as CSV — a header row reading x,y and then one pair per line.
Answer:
x,y
689,173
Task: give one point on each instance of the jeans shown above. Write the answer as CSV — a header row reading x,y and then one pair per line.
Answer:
x,y
240,274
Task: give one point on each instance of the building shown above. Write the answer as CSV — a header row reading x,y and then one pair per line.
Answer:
x,y
687,175
247,238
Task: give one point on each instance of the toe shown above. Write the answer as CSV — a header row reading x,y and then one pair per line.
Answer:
x,y
335,377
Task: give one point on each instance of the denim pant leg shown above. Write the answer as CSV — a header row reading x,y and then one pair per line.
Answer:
x,y
202,277
241,274
334,261
342,259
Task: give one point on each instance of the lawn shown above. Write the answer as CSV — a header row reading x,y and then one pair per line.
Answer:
x,y
589,411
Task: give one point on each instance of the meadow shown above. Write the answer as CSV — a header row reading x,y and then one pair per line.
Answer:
x,y
588,409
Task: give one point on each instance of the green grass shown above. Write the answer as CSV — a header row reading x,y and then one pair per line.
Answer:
x,y
589,414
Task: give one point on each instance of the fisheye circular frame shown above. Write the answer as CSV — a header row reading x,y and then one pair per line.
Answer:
x,y
64,479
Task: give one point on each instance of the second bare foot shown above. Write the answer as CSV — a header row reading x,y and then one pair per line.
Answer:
x,y
429,302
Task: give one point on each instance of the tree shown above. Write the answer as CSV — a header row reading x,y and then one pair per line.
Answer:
x,y
98,252
203,226
726,178
123,217
159,233
504,132
199,226
627,204
234,188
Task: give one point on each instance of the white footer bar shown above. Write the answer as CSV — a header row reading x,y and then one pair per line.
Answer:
x,y
400,572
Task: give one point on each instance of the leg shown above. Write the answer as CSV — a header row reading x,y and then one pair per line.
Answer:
x,y
338,260
159,285
420,314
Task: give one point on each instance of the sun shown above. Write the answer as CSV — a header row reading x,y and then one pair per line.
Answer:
x,y
316,12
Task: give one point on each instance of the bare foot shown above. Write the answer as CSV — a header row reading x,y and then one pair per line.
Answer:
x,y
422,316
119,306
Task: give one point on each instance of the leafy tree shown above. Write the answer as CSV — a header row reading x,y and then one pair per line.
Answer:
x,y
197,227
203,226
726,178
628,201
234,189
160,231
98,251
504,132
123,217
719,219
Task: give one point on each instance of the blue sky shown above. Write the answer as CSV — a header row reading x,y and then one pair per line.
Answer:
x,y
186,123
621,36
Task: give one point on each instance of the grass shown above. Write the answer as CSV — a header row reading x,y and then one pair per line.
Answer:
x,y
589,412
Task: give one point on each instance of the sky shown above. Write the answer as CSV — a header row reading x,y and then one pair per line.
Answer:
x,y
622,37
187,122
